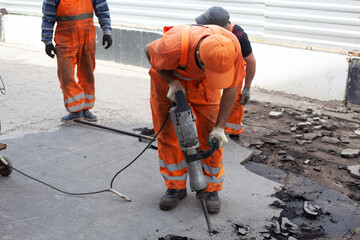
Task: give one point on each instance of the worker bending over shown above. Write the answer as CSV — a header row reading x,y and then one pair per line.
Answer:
x,y
213,62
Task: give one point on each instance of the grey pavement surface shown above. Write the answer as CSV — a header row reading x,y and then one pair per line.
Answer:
x,y
79,158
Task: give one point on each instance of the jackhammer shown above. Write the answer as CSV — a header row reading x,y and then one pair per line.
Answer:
x,y
184,122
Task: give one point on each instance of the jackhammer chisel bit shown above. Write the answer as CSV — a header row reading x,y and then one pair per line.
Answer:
x,y
184,122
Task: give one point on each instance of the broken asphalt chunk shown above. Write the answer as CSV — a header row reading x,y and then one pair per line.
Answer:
x,y
288,226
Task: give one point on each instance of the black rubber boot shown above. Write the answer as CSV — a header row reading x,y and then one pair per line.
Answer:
x,y
171,198
212,201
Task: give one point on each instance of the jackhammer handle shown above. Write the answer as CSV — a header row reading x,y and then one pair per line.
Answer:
x,y
181,104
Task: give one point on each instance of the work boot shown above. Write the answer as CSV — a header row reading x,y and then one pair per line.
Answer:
x,y
72,116
212,201
235,137
89,116
171,198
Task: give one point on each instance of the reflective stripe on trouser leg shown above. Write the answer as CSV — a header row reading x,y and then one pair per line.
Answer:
x,y
233,125
213,168
172,164
86,66
69,46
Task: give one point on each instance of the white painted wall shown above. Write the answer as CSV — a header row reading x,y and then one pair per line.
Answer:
x,y
23,30
313,74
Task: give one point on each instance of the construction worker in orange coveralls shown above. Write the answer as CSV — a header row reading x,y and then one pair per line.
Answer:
x,y
75,40
219,16
214,62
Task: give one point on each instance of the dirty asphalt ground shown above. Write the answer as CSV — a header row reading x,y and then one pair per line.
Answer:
x,y
79,158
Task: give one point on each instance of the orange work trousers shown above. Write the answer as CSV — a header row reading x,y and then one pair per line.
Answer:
x,y
204,102
76,47
234,123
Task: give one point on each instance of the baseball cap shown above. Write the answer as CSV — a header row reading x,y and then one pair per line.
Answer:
x,y
218,55
214,15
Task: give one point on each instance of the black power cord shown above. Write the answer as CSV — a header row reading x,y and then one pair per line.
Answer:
x,y
112,180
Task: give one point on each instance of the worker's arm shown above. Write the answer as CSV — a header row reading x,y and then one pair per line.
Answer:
x,y
47,26
48,20
102,12
226,105
169,77
250,69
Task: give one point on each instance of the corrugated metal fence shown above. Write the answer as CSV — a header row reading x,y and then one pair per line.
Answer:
x,y
326,24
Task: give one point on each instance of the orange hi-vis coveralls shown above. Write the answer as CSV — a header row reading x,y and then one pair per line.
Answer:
x,y
75,40
204,101
234,123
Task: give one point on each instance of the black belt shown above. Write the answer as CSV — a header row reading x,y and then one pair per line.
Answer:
x,y
75,17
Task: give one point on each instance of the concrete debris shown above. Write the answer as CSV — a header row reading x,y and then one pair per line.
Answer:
x,y
282,152
302,125
354,171
300,142
288,226
317,127
276,114
242,229
330,125
318,169
285,132
357,132
316,119
344,140
288,158
307,161
350,153
293,129
311,211
331,140
270,141
256,142
310,136
302,117
292,238
298,136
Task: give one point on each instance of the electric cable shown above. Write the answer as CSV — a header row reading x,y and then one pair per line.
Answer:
x,y
112,180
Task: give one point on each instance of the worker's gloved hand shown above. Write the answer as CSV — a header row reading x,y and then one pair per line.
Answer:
x,y
174,87
245,96
108,40
219,134
49,48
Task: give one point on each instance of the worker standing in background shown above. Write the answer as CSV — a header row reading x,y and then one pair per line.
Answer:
x,y
213,62
219,16
75,45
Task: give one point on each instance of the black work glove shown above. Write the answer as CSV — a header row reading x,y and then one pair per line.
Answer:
x,y
108,40
50,48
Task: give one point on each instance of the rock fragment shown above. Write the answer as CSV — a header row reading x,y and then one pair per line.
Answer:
x,y
311,211
331,140
354,171
350,153
310,136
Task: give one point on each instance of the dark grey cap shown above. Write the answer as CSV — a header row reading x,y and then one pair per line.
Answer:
x,y
214,15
